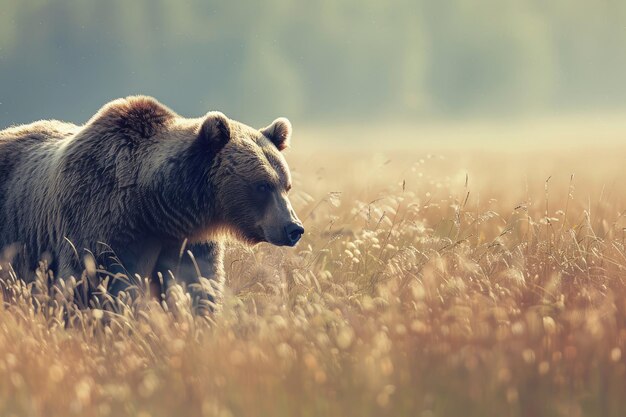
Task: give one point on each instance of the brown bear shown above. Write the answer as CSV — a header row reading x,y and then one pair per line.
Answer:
x,y
143,190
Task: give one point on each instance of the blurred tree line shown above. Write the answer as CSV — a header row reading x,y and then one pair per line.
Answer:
x,y
327,60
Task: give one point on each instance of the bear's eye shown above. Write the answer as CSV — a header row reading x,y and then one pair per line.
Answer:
x,y
263,187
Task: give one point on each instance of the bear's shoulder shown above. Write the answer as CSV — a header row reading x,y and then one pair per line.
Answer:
x,y
133,116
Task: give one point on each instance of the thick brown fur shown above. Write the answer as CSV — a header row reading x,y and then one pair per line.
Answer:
x,y
138,185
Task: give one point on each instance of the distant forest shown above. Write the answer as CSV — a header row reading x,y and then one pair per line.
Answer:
x,y
313,61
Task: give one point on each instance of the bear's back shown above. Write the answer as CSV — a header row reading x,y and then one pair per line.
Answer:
x,y
18,141
20,148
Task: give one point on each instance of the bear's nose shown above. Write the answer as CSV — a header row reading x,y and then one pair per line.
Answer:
x,y
294,232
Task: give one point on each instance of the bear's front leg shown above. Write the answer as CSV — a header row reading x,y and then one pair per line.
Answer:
x,y
200,266
129,262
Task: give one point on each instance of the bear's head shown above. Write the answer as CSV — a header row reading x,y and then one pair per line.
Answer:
x,y
251,179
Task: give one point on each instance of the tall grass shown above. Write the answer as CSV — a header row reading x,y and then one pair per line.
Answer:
x,y
452,283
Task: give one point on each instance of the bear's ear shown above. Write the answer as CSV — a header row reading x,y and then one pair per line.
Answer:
x,y
215,131
279,132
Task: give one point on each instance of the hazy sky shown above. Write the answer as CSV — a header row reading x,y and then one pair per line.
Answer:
x,y
325,61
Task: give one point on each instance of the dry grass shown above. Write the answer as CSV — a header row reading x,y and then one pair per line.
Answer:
x,y
452,283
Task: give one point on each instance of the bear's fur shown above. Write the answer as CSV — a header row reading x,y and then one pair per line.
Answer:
x,y
141,188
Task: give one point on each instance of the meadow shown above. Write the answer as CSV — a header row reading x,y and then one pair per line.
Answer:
x,y
456,273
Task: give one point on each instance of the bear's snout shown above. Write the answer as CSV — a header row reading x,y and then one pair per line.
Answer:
x,y
294,232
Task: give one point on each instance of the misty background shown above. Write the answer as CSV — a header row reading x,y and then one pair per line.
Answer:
x,y
353,61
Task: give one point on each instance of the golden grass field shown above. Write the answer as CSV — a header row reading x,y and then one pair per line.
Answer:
x,y
437,277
